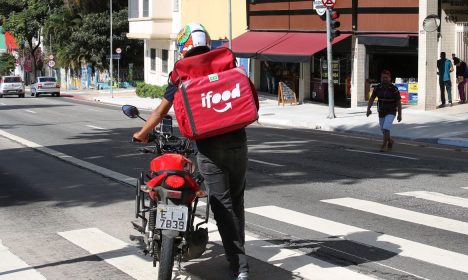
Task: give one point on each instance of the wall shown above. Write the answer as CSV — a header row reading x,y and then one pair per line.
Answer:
x,y
359,16
214,15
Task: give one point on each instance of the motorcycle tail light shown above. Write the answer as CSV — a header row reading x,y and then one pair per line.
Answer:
x,y
175,181
174,194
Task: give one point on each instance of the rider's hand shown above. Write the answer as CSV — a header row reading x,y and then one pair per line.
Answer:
x,y
368,112
141,137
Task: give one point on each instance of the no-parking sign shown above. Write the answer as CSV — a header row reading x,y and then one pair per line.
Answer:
x,y
329,3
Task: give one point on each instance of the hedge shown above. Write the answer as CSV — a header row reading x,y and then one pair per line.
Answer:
x,y
147,90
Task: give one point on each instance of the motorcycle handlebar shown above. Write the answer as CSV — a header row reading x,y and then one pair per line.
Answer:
x,y
172,144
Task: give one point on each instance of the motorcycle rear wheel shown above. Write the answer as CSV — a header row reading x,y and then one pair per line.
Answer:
x,y
166,260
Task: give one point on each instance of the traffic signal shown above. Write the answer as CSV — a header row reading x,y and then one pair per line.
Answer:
x,y
334,24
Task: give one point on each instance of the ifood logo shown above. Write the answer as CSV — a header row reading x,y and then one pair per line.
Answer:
x,y
209,99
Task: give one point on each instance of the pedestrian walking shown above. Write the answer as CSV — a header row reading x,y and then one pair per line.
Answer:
x,y
444,67
388,105
462,78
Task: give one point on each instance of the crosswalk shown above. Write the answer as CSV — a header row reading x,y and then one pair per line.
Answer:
x,y
126,257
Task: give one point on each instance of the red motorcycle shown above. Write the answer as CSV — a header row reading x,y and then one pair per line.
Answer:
x,y
166,200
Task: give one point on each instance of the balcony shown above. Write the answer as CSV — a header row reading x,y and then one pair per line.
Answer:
x,y
151,19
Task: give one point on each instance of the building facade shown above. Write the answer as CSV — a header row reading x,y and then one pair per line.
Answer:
x,y
158,22
376,35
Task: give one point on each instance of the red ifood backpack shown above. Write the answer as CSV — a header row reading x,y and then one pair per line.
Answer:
x,y
214,96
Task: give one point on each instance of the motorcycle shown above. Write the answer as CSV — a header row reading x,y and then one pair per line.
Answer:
x,y
166,200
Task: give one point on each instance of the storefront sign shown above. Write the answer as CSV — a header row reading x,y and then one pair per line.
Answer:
x,y
324,71
286,93
319,7
455,10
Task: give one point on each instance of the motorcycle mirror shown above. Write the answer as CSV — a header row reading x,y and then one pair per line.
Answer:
x,y
130,111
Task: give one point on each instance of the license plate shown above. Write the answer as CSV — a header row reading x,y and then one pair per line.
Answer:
x,y
172,217
49,85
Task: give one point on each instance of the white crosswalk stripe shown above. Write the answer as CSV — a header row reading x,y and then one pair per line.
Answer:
x,y
438,197
402,214
400,246
113,251
292,260
126,257
14,268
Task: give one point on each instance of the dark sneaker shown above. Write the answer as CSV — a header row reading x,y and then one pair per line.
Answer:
x,y
441,106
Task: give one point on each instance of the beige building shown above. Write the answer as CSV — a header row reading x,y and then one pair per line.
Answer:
x,y
158,22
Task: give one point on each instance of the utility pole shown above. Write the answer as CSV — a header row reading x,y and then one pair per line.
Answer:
x,y
230,25
110,58
331,92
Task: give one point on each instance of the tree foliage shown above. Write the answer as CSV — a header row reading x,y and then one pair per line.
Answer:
x,y
7,64
77,30
25,19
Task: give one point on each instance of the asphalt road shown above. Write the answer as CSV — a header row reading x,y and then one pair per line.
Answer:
x,y
317,204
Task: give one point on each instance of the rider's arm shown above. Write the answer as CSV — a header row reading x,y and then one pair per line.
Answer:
x,y
157,115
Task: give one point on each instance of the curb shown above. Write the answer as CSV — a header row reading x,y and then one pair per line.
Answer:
x,y
459,142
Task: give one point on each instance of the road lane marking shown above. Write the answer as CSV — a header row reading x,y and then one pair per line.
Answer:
x,y
397,245
380,154
113,251
402,214
438,197
3,104
95,127
94,110
30,111
466,188
12,267
122,178
267,163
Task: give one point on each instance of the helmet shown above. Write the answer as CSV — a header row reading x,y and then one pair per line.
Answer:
x,y
191,36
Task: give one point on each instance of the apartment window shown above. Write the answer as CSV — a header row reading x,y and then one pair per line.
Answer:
x,y
165,58
145,8
153,59
176,5
133,9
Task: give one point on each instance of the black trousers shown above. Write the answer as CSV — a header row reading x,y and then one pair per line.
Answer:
x,y
443,85
222,160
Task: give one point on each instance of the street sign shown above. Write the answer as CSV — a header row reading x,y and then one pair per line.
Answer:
x,y
51,63
114,56
51,57
319,7
118,50
329,3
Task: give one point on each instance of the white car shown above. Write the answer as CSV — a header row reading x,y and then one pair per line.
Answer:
x,y
45,85
11,85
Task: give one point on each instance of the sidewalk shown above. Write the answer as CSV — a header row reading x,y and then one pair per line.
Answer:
x,y
447,126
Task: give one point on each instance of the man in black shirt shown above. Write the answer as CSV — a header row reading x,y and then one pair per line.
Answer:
x,y
388,105
462,77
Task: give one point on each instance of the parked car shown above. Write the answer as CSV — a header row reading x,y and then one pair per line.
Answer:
x,y
45,85
11,85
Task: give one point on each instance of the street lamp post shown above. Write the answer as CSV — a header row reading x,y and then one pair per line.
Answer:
x,y
110,58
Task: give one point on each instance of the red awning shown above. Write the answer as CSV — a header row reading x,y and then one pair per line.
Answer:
x,y
281,46
251,43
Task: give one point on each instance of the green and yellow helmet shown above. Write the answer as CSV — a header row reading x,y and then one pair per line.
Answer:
x,y
191,36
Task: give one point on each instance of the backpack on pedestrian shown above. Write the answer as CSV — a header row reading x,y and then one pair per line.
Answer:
x,y
214,95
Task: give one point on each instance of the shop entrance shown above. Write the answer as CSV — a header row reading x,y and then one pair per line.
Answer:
x,y
274,72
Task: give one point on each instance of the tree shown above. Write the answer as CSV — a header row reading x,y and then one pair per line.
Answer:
x,y
7,64
25,19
